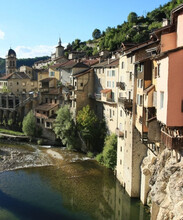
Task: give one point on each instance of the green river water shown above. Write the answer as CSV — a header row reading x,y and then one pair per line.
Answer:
x,y
74,187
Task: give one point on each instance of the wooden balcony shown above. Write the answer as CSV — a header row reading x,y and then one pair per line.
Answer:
x,y
119,133
127,103
121,85
171,142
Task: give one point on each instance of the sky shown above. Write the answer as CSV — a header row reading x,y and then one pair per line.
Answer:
x,y
32,27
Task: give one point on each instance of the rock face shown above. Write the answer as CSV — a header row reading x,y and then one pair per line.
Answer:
x,y
166,184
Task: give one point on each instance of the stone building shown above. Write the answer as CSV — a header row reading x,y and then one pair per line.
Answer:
x,y
11,62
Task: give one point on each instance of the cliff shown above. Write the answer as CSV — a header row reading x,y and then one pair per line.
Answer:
x,y
166,183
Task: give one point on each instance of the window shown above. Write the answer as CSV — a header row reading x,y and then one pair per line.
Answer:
x,y
139,99
158,70
121,113
140,83
32,84
113,112
52,73
46,100
161,100
155,72
113,72
112,84
121,149
125,134
10,83
131,59
50,100
17,83
130,76
122,65
81,84
23,84
120,162
108,73
110,113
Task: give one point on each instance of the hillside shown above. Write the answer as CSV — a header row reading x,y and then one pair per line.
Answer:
x,y
135,30
21,62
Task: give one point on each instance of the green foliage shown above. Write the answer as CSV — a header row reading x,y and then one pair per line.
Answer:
x,y
29,125
109,155
90,154
40,141
132,17
96,34
6,131
91,129
65,129
5,89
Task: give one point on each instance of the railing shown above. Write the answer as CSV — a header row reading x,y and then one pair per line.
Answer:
x,y
98,96
126,102
44,89
171,142
121,85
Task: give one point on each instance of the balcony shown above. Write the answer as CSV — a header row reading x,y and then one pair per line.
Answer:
x,y
121,85
119,133
98,97
127,103
44,90
171,142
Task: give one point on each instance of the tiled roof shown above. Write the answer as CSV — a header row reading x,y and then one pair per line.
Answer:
x,y
82,72
39,115
91,62
46,106
113,63
6,77
102,64
47,79
19,75
106,90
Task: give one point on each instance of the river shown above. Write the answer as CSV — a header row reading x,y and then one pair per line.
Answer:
x,y
60,184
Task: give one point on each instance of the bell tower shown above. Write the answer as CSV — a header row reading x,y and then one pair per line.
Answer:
x,y
59,49
11,62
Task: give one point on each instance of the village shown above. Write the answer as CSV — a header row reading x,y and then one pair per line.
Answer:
x,y
136,89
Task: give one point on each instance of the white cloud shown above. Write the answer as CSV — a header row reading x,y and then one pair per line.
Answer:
x,y
36,51
2,35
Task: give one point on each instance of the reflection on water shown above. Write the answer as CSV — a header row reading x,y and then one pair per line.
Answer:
x,y
69,190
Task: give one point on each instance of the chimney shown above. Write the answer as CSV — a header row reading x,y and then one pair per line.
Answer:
x,y
108,60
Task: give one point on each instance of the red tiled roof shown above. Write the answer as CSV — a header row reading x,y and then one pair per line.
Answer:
x,y
6,77
90,62
106,90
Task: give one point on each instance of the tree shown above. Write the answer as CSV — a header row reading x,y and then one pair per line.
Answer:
x,y
29,124
96,34
109,155
132,17
65,129
91,129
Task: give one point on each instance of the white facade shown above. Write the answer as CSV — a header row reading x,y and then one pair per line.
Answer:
x,y
162,90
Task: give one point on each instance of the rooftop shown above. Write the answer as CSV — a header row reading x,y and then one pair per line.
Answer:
x,y
46,106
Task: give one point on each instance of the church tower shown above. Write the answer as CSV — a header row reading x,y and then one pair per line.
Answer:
x,y
59,49
11,62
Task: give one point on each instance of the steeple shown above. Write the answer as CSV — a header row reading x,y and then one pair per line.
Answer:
x,y
59,42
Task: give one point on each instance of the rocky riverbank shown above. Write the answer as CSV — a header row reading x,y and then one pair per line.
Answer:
x,y
12,157
166,184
